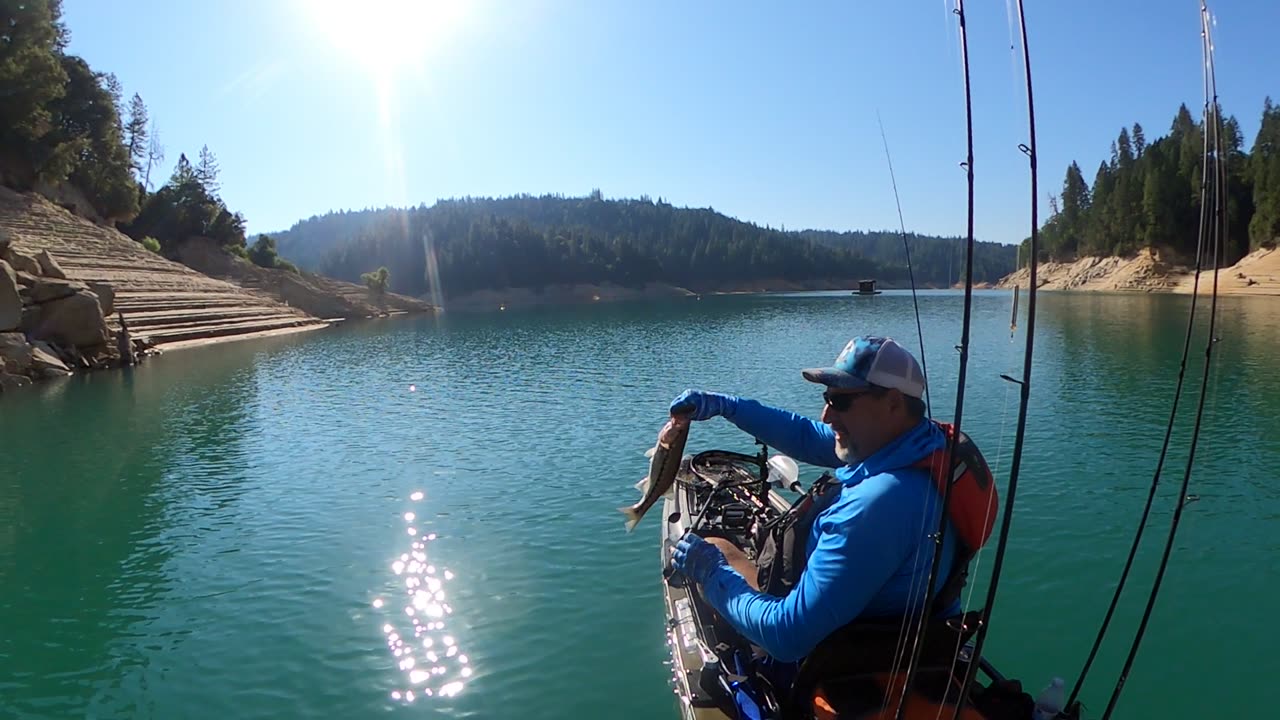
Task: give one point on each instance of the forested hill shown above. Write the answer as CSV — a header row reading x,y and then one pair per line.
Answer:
x,y
938,258
1148,194
527,241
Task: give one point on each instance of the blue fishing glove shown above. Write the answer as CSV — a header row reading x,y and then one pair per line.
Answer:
x,y
700,405
696,558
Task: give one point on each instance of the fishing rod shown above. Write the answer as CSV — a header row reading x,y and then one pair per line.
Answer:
x,y
1219,230
963,348
1202,229
915,302
900,645
1024,384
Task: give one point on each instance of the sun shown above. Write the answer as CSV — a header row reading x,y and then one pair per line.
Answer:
x,y
385,36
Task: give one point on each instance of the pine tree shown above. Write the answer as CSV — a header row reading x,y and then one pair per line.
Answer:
x,y
183,172
1075,207
1264,171
87,120
1098,239
1159,199
30,72
1139,140
1125,153
135,134
112,85
207,171
1126,202
1239,201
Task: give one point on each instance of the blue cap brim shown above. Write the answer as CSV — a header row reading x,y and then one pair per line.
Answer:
x,y
834,378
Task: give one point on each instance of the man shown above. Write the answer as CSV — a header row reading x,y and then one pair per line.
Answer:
x,y
870,550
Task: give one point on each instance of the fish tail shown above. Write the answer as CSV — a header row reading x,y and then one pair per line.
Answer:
x,y
633,517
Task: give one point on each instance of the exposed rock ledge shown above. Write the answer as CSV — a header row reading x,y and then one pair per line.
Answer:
x,y
315,294
1155,270
70,309
48,324
164,303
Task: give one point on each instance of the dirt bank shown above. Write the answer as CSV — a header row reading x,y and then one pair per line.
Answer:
x,y
1155,270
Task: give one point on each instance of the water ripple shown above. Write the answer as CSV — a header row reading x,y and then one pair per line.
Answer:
x,y
226,533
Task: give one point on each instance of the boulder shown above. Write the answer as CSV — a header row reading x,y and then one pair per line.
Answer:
x,y
15,353
27,279
101,356
76,320
46,364
106,297
10,300
30,318
22,263
12,382
49,290
50,267
50,348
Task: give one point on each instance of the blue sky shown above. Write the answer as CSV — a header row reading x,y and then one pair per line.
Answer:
x,y
764,113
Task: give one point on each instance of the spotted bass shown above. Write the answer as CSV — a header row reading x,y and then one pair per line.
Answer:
x,y
664,462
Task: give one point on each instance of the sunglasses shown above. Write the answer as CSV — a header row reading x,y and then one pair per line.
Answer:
x,y
841,402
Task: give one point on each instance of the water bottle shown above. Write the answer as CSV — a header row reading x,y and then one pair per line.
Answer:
x,y
1050,701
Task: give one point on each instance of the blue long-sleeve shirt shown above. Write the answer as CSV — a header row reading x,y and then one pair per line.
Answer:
x,y
869,551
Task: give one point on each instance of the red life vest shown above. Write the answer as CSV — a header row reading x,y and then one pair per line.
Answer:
x,y
782,553
973,502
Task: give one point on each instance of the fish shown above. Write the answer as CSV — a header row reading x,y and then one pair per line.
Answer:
x,y
664,463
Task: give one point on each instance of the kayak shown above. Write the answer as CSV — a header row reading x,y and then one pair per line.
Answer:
x,y
858,672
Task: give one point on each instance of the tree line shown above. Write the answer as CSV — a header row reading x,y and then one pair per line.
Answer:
x,y
61,123
1150,194
528,241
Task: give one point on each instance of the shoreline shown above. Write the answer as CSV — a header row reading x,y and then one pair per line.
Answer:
x,y
1154,270
77,297
588,293
205,341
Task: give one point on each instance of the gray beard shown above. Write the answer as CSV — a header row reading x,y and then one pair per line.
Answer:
x,y
846,453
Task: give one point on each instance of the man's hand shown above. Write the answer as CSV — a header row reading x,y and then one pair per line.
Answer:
x,y
696,558
698,405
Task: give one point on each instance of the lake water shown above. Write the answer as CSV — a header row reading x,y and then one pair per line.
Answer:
x,y
254,530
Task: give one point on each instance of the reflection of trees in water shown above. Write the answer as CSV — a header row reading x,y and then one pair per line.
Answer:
x,y
1244,385
1120,356
96,467
1126,345
1116,360
1114,339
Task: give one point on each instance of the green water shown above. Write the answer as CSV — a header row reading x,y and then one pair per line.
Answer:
x,y
214,534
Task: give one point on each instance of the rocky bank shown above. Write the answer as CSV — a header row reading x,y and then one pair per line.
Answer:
x,y
1155,270
49,324
67,284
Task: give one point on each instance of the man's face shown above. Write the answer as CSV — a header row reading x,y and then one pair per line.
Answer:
x,y
860,419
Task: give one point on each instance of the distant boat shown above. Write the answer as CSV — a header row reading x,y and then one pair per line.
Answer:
x,y
866,287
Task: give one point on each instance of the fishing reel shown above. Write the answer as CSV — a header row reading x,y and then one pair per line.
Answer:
x,y
758,473
731,491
